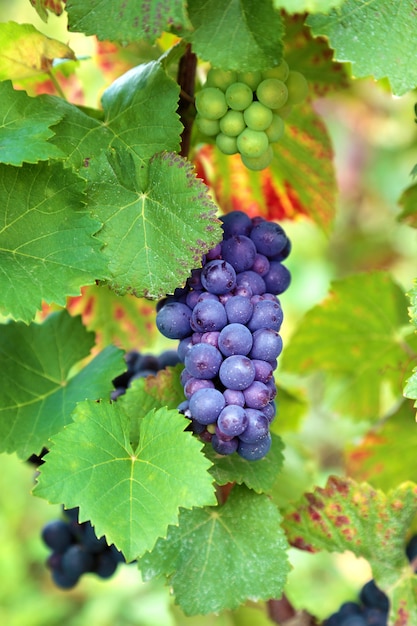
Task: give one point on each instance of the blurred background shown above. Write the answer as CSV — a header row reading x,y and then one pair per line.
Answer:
x,y
375,145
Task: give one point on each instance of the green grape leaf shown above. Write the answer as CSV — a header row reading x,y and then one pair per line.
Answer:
x,y
408,202
26,53
345,515
43,6
310,6
371,36
250,39
166,386
124,321
216,558
403,600
257,475
412,309
47,244
130,492
126,22
25,127
156,234
384,456
39,391
358,336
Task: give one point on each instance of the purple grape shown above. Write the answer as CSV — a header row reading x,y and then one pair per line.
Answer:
x,y
224,447
203,361
90,540
194,281
214,253
212,338
183,347
239,251
195,384
257,427
64,580
192,297
106,564
270,411
206,405
269,238
278,278
207,316
57,535
239,310
232,420
263,370
76,561
218,277
256,395
373,597
235,339
251,280
266,314
173,320
168,358
236,223
237,372
260,264
255,451
267,345
233,396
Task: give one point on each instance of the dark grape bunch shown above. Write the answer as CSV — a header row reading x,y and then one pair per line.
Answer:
x,y
245,111
142,365
76,550
373,606
227,319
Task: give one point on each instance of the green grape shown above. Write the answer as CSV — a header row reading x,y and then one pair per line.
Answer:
x,y
232,123
275,130
257,116
279,71
284,111
297,87
206,126
272,93
258,163
227,145
239,96
252,79
220,78
252,143
210,103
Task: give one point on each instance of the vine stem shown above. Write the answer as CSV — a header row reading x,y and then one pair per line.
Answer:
x,y
57,86
186,79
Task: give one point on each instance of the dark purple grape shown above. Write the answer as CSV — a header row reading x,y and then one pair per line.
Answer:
x,y
257,427
168,358
64,580
203,361
239,310
76,561
278,278
251,280
214,253
218,277
211,338
255,451
256,395
196,384
239,251
90,541
173,320
260,264
266,314
267,345
224,447
235,339
233,396
57,535
237,372
206,405
263,370
105,564
236,223
232,420
375,617
269,238
207,316
411,548
183,347
270,411
373,597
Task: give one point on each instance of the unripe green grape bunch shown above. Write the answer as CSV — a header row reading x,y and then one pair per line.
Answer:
x,y
244,112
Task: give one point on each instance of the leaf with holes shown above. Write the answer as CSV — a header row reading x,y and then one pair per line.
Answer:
x,y
130,490
25,52
39,392
47,245
25,127
370,35
126,22
154,234
216,558
253,43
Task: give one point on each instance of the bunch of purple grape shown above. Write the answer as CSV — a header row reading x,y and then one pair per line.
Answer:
x,y
142,365
76,550
227,318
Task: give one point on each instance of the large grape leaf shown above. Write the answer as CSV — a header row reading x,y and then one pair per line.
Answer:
x,y
38,391
250,36
25,52
360,337
25,127
300,180
370,34
47,244
126,22
345,515
311,6
385,455
130,490
257,475
154,234
216,558
125,321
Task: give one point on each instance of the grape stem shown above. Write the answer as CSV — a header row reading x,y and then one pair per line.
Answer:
x,y
186,79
